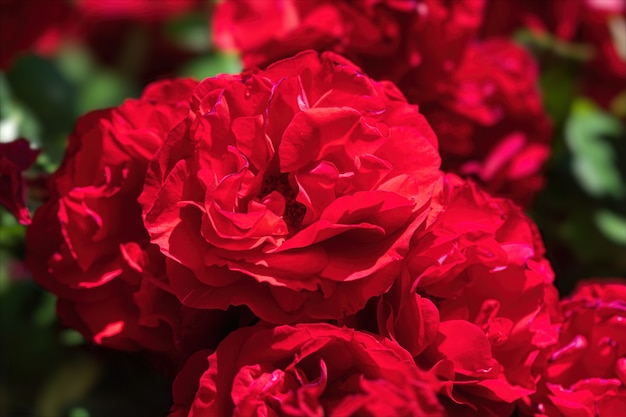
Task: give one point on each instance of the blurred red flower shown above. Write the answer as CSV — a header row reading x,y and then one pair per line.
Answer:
x,y
15,157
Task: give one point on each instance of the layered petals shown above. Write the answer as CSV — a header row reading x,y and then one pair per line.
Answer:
x,y
293,190
306,370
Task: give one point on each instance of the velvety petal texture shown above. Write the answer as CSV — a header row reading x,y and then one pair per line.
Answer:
x,y
87,243
584,374
304,370
294,190
476,255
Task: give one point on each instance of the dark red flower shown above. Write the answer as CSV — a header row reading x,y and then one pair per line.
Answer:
x,y
584,374
15,157
24,23
415,44
304,370
121,33
490,121
293,190
136,9
87,243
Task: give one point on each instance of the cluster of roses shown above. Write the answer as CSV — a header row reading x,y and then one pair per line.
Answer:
x,y
288,232
456,60
286,241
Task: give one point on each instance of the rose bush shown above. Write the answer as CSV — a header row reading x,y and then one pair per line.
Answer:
x,y
87,243
15,158
293,190
584,374
305,369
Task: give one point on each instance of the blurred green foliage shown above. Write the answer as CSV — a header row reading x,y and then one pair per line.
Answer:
x,y
588,133
581,212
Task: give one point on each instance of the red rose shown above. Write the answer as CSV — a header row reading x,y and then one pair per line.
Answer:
x,y
584,374
415,44
306,369
293,190
24,23
476,256
15,157
87,243
490,121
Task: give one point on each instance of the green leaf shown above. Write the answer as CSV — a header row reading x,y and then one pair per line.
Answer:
x,y
70,337
16,120
97,87
546,41
612,225
211,65
588,134
78,412
45,314
40,86
75,63
190,32
104,89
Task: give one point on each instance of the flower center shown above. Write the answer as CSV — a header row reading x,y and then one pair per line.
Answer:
x,y
294,211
